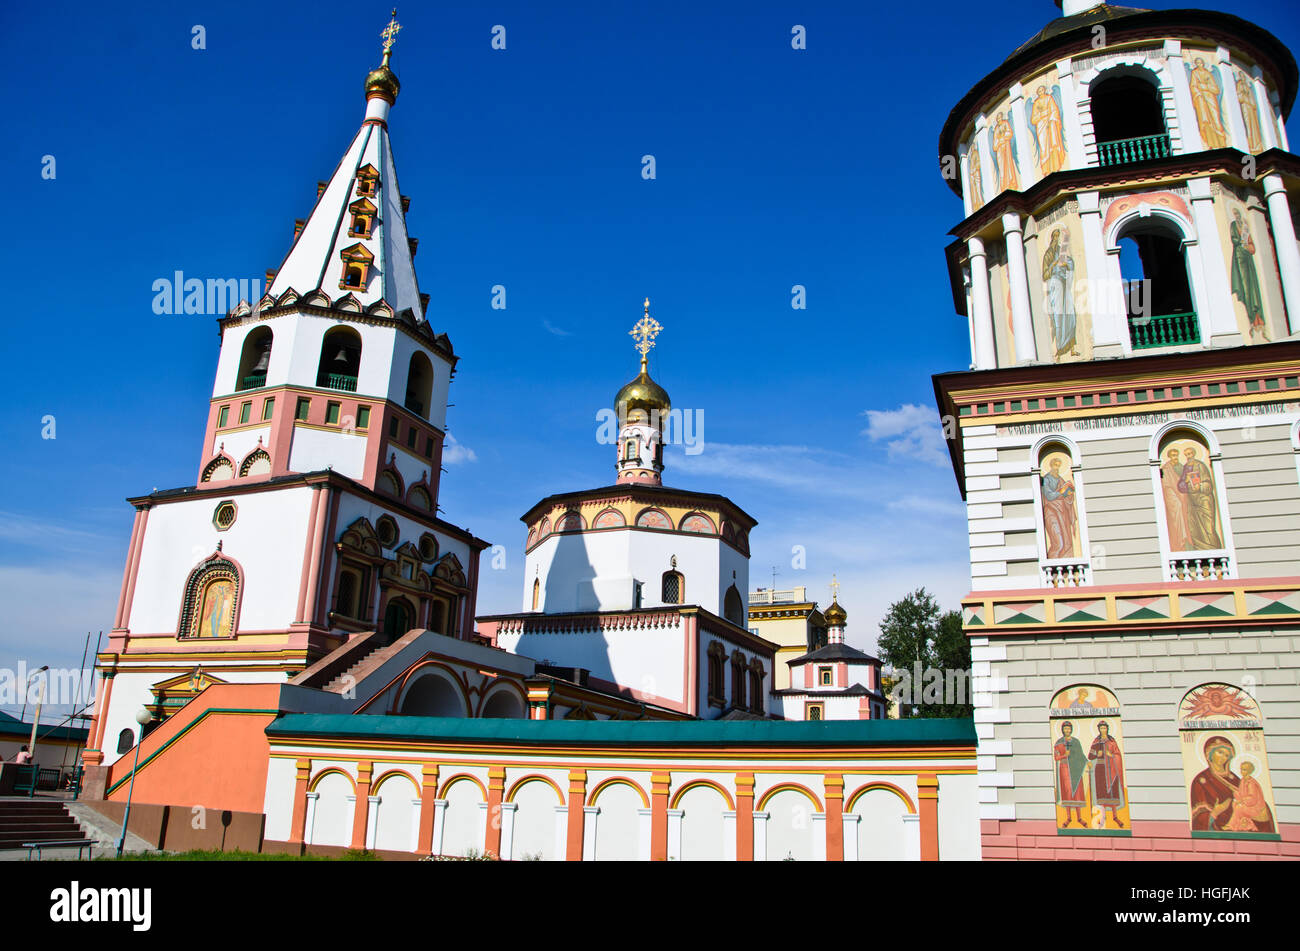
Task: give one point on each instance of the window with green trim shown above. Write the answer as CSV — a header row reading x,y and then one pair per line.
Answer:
x,y
245,411
363,417
222,416
268,407
304,407
331,412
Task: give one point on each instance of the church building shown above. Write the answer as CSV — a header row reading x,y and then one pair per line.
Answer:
x,y
1127,438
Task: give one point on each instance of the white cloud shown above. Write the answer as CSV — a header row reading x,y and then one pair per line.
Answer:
x,y
551,328
814,470
43,533
952,508
910,431
454,452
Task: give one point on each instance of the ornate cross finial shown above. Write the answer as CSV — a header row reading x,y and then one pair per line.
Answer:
x,y
389,33
835,589
645,331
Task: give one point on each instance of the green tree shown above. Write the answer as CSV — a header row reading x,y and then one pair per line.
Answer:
x,y
916,631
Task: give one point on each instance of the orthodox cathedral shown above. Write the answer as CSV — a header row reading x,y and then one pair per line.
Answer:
x,y
298,628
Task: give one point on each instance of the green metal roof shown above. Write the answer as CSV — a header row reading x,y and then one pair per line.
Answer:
x,y
670,733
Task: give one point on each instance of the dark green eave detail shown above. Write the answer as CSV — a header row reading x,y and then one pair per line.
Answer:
x,y
669,733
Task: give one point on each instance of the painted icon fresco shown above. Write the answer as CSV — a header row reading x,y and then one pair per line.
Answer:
x,y
1225,765
1249,111
216,617
1207,101
1192,519
1003,139
1058,293
1245,276
1060,504
976,183
1088,762
1043,110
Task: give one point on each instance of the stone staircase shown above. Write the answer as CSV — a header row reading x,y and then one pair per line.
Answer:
x,y
35,820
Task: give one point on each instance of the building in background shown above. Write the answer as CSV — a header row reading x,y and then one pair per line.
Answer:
x,y
1127,439
791,621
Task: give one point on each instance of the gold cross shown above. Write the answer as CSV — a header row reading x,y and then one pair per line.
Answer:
x,y
835,589
389,33
645,331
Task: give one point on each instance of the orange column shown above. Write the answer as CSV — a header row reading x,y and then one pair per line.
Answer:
x,y
496,790
927,791
577,818
361,816
298,826
744,817
101,711
659,783
428,794
834,817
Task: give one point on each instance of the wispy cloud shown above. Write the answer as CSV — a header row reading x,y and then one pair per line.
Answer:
x,y
559,332
911,431
454,452
44,533
807,468
929,505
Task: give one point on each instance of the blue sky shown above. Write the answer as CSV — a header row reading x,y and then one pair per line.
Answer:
x,y
775,167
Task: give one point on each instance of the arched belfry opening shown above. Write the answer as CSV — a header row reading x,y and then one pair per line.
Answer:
x,y
254,359
340,360
419,385
1128,118
1158,294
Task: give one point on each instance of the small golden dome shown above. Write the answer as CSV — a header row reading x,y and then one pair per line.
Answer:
x,y
642,393
836,615
382,82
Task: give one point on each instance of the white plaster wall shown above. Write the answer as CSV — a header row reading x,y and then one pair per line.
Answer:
x,y
266,540
316,449
959,821
462,829
644,659
281,785
770,703
331,821
534,828
836,708
618,826
397,813
789,826
882,834
572,566
411,466
703,829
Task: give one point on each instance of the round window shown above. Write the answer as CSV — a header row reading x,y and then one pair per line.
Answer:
x,y
224,516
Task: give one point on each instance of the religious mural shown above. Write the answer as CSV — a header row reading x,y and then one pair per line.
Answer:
x,y
976,183
216,618
1192,519
1058,293
1003,139
1088,762
1229,793
1060,505
1043,110
1245,257
211,600
1207,101
1249,106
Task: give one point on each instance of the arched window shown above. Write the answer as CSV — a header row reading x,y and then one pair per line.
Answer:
x,y
716,678
673,588
1128,117
419,385
733,607
254,359
420,499
738,680
1158,295
125,741
1225,764
340,360
756,673
1062,534
1191,504
257,462
399,618
537,592
387,483
210,608
352,592
1088,762
218,470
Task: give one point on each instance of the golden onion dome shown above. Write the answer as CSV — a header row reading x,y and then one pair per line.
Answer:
x,y
382,82
642,393
836,615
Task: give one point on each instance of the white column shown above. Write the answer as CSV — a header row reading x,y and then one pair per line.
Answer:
x,y
1105,296
1021,316
439,824
963,169
729,831
508,810
1279,126
911,837
851,821
675,834
372,821
1231,105
1028,171
988,181
1284,241
561,832
643,836
760,836
1076,154
310,824
413,845
985,355
1214,309
589,814
819,836
1187,129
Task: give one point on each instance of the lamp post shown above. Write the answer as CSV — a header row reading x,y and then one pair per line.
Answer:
x,y
27,690
142,717
36,719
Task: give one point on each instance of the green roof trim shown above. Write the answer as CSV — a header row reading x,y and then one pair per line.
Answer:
x,y
670,733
